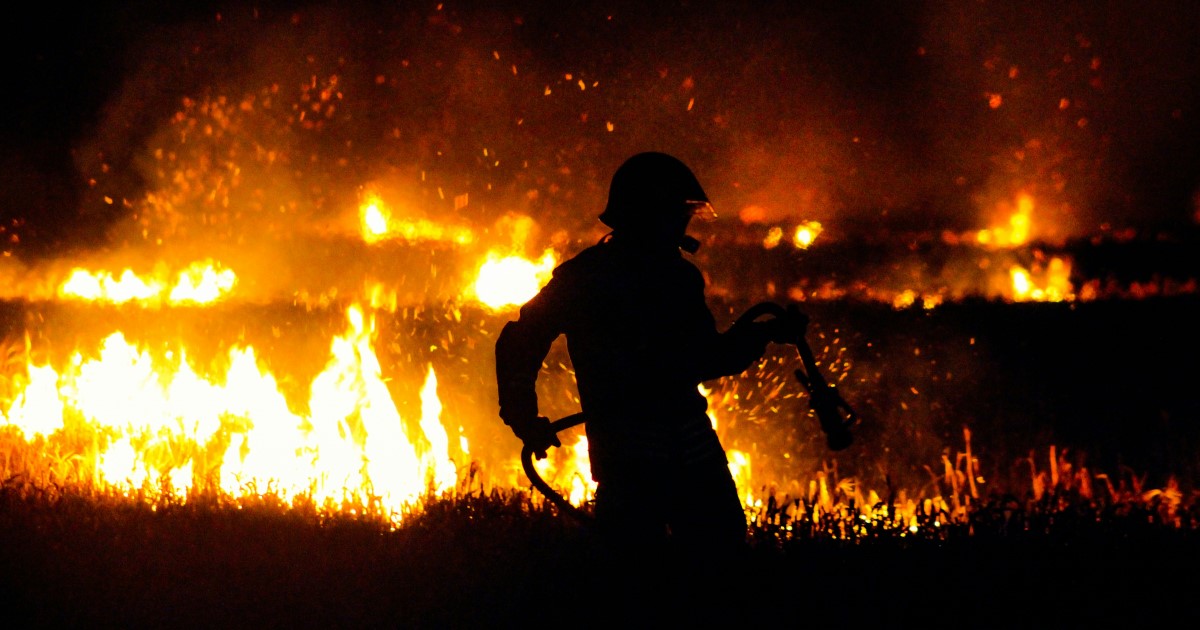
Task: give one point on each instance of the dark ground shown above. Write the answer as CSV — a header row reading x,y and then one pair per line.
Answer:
x,y
486,563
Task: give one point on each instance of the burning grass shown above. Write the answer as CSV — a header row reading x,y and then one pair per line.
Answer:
x,y
77,556
1066,546
922,519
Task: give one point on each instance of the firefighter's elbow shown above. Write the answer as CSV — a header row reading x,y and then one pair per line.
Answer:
x,y
507,340
512,349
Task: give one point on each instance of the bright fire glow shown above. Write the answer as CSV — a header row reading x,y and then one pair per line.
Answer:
x,y
506,281
1049,284
377,224
202,282
374,222
739,467
569,469
908,297
155,417
1018,230
773,237
806,233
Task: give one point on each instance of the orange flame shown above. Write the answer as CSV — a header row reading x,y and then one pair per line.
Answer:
x,y
507,281
806,233
1049,284
1018,230
202,282
377,223
156,418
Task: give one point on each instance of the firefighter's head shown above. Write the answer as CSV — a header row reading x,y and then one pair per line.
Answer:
x,y
654,195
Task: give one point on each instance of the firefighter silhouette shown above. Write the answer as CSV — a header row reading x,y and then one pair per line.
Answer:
x,y
641,338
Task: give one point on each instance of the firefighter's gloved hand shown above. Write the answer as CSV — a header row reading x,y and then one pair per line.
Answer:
x,y
536,433
797,318
778,330
787,328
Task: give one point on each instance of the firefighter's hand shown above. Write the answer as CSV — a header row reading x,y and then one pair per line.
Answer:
x,y
788,328
797,317
795,322
537,434
778,330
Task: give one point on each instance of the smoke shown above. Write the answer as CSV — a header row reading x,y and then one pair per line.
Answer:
x,y
931,115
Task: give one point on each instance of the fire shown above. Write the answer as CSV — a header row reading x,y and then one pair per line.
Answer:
x,y
374,222
773,237
806,233
739,467
377,224
908,297
570,469
152,418
202,282
803,236
1018,229
506,281
1049,284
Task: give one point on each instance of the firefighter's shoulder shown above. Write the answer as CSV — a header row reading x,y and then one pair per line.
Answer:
x,y
584,263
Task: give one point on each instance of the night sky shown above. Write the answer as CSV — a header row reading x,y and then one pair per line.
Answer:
x,y
919,115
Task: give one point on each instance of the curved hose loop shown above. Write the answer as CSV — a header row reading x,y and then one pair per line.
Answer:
x,y
833,412
550,493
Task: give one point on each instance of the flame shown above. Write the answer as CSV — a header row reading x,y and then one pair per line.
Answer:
x,y
802,237
773,237
1018,229
202,282
739,461
571,469
374,222
739,467
908,297
154,417
505,281
377,223
1049,284
806,233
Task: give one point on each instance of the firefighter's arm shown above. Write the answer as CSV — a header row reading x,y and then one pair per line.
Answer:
x,y
520,350
745,342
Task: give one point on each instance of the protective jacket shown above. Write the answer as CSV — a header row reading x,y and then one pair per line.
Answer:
x,y
641,339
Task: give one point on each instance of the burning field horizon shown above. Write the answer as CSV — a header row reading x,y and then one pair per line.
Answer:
x,y
253,279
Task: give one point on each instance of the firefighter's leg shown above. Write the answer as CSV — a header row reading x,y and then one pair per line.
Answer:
x,y
708,519
629,516
633,546
708,527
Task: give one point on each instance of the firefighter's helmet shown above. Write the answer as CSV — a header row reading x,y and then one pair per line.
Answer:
x,y
653,188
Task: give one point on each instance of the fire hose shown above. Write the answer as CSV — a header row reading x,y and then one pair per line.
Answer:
x,y
834,414
547,491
